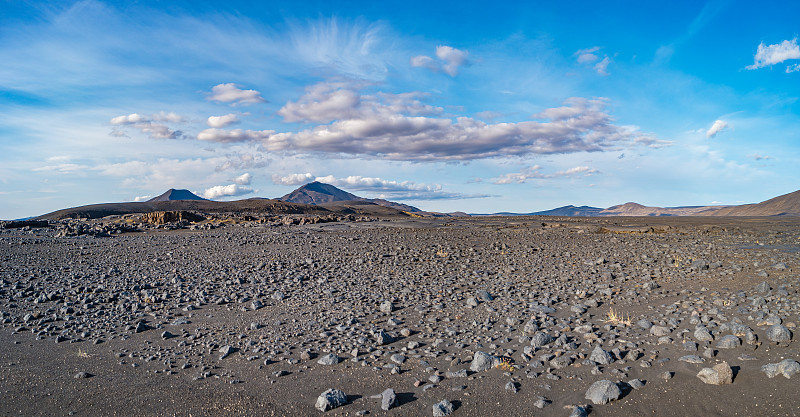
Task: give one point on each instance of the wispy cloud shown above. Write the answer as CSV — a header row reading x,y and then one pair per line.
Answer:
x,y
151,126
758,157
590,56
535,172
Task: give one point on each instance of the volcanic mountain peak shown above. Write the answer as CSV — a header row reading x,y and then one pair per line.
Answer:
x,y
317,193
173,194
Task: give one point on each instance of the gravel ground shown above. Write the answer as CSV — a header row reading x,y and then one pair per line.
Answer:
x,y
469,316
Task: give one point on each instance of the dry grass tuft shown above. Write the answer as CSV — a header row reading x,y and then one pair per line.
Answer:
x,y
616,318
506,364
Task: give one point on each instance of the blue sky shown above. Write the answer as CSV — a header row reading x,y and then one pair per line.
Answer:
x,y
470,106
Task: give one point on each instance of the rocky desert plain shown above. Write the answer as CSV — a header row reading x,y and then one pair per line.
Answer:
x,y
368,310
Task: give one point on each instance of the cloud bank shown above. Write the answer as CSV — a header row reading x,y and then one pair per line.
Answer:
x,y
401,127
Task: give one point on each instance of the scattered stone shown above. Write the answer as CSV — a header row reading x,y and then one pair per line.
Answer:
x,y
601,356
442,408
482,361
383,338
226,351
786,367
329,359
729,342
81,375
636,383
330,399
603,391
541,402
511,386
388,399
720,374
578,411
779,334
692,359
387,307
702,334
659,331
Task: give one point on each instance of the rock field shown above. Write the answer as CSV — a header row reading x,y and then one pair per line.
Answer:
x,y
512,316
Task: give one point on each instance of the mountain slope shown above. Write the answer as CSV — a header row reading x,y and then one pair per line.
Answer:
x,y
176,195
783,205
570,211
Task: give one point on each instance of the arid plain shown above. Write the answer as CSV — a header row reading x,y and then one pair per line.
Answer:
x,y
405,316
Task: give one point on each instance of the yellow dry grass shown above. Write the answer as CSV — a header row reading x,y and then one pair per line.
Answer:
x,y
616,318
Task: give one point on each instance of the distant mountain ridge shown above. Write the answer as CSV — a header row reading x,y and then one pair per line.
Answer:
x,y
784,205
176,195
317,193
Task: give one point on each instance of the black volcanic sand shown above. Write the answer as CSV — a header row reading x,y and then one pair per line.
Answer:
x,y
101,306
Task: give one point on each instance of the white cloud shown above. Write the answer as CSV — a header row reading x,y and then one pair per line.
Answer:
x,y
230,93
577,170
323,102
792,68
129,119
139,199
534,172
293,179
222,121
329,101
235,135
450,59
243,179
775,54
148,125
717,127
230,190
